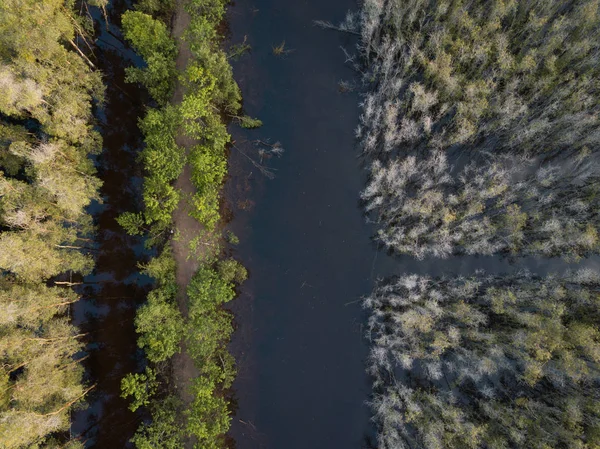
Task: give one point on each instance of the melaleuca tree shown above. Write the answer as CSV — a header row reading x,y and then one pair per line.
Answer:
x,y
41,378
499,76
426,208
36,44
48,87
489,362
488,82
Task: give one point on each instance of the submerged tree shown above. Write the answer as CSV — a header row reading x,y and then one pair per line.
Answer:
x,y
489,362
503,84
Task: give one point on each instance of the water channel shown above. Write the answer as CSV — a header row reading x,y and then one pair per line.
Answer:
x,y
112,292
299,344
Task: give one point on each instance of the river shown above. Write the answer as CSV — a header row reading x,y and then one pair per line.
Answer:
x,y
299,342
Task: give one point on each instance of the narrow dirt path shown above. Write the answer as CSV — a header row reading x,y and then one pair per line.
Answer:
x,y
187,228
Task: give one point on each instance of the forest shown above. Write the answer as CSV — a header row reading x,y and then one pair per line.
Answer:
x,y
510,87
480,128
474,306
47,181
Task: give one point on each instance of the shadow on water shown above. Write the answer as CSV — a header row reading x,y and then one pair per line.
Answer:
x,y
299,341
112,292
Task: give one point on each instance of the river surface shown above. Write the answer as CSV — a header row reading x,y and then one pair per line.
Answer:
x,y
299,342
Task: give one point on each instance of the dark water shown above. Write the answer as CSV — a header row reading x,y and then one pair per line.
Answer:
x,y
299,343
111,294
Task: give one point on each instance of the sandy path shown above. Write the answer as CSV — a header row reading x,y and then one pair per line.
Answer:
x,y
187,227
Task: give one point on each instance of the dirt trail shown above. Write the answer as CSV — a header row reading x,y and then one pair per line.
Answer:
x,y
186,227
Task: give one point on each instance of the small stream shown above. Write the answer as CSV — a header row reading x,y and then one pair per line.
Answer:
x,y
112,292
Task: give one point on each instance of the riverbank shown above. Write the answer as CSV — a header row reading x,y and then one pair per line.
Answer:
x,y
183,327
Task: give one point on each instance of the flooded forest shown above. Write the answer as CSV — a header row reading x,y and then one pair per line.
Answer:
x,y
258,224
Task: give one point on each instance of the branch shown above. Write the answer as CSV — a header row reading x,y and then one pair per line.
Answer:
x,y
326,25
264,170
69,404
48,340
74,362
81,53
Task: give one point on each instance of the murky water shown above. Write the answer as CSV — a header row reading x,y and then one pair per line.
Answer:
x,y
111,294
299,343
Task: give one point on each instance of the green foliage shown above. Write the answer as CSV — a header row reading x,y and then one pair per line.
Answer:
x,y
159,321
155,7
42,393
202,38
46,183
133,223
232,238
161,268
140,386
147,35
206,207
209,91
151,39
162,156
208,289
232,271
250,122
164,430
161,200
163,159
208,331
156,77
208,418
35,83
160,325
237,50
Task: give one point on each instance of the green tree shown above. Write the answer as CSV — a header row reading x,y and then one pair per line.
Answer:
x,y
141,387
151,39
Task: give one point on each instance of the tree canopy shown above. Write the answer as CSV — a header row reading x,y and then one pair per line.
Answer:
x,y
509,361
47,89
